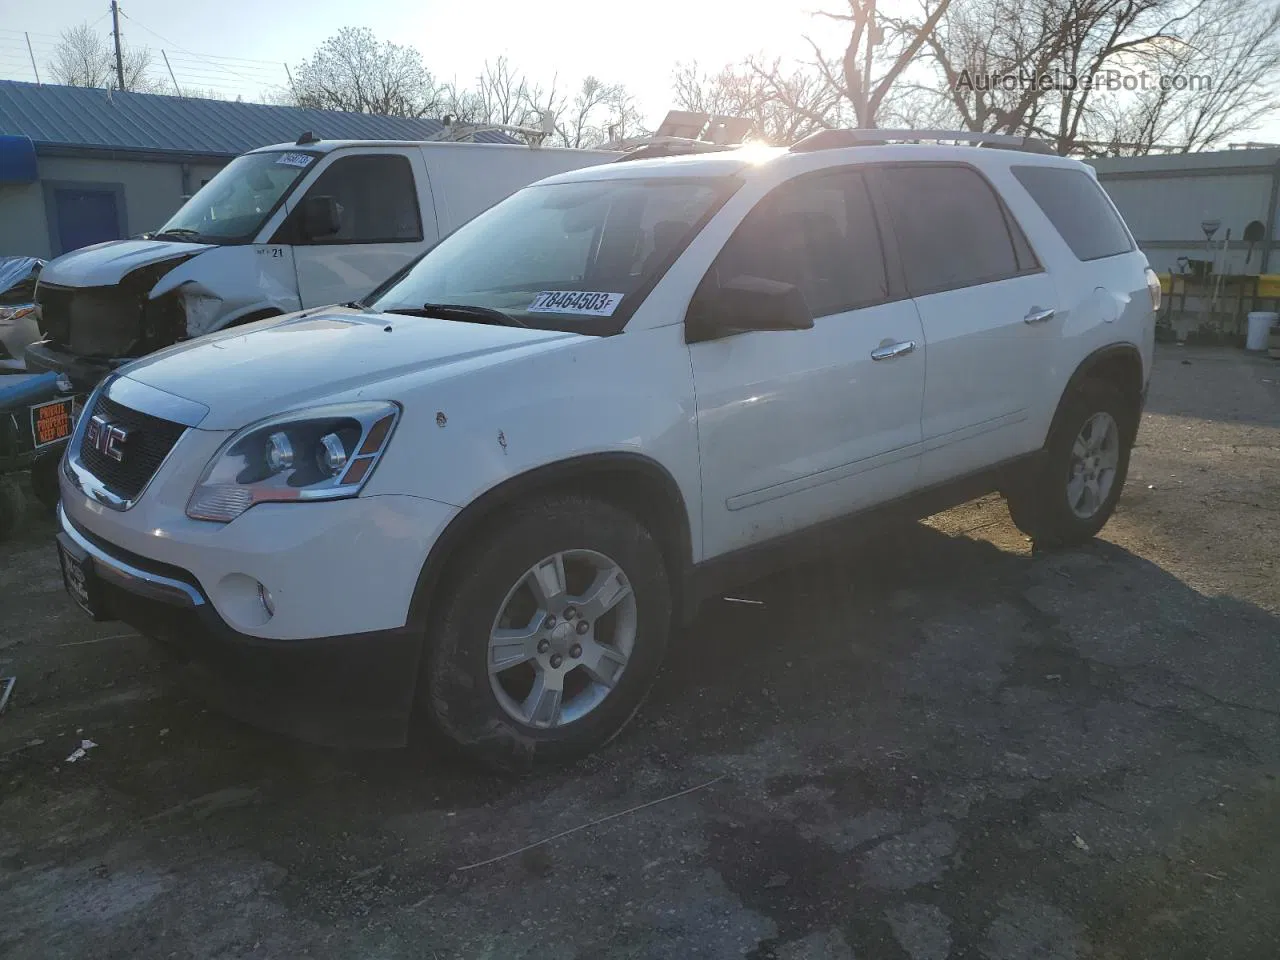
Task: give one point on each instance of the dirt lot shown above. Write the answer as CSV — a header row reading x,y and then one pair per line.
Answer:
x,y
947,748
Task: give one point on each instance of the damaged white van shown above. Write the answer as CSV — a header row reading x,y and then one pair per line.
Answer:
x,y
279,229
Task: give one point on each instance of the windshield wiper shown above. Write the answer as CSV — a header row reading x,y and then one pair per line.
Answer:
x,y
464,312
180,233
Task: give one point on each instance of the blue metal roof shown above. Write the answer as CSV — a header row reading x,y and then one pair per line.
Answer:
x,y
70,118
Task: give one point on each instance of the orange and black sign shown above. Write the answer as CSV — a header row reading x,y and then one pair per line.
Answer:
x,y
51,422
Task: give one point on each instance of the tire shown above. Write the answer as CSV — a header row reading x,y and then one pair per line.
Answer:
x,y
498,719
1048,504
44,482
13,506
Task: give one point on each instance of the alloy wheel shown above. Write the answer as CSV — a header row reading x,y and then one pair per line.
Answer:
x,y
562,638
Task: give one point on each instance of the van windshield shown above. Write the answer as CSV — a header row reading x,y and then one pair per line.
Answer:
x,y
568,256
232,207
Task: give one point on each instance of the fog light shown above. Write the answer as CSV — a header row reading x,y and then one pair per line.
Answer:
x,y
265,596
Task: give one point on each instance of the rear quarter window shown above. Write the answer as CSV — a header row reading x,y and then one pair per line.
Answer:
x,y
1078,210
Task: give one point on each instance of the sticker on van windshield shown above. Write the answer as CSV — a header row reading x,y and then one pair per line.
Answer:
x,y
295,159
576,301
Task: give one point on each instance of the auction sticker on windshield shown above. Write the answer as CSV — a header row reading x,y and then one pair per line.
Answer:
x,y
581,302
295,159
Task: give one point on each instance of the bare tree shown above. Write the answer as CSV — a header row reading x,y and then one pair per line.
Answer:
x,y
783,103
85,58
878,54
598,113
1072,71
502,94
1217,80
355,71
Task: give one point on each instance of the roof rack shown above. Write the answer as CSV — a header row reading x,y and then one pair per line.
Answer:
x,y
682,131
673,147
834,139
455,132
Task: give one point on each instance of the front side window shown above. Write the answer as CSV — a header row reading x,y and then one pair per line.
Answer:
x,y
560,254
951,228
233,206
818,234
376,198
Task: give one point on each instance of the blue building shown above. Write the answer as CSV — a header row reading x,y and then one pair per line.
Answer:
x,y
80,165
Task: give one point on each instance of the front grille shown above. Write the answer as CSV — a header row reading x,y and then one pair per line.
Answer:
x,y
149,441
55,312
91,321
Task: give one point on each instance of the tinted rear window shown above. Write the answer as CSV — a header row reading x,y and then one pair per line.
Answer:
x,y
1077,207
951,229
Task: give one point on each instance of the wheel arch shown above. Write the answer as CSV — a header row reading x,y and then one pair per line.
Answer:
x,y
1118,364
632,481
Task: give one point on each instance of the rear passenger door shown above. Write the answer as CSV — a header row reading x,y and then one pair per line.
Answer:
x,y
800,426
381,226
988,309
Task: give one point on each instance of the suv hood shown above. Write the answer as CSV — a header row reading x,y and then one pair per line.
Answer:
x,y
105,264
265,368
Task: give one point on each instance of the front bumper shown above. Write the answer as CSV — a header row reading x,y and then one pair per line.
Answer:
x,y
85,372
332,568
353,690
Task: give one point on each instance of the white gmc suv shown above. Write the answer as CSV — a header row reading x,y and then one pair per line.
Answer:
x,y
485,495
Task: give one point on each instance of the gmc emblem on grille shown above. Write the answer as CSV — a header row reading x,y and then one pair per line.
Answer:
x,y
106,437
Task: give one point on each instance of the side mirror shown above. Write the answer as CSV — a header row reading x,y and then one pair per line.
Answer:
x,y
746,303
320,218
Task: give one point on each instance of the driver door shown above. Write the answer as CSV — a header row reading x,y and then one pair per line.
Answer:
x,y
380,226
800,426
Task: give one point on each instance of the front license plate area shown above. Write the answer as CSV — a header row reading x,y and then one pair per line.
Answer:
x,y
79,578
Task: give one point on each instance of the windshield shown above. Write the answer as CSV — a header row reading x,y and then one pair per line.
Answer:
x,y
235,203
563,255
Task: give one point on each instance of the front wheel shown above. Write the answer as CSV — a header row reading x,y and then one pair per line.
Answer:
x,y
552,630
1073,493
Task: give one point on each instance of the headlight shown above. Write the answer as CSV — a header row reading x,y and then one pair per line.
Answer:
x,y
16,313
325,453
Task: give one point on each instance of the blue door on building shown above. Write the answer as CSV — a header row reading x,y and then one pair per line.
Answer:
x,y
85,216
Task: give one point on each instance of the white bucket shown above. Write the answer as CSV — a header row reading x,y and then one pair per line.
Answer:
x,y
1259,329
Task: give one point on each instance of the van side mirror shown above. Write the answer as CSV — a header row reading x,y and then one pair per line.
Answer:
x,y
320,218
746,303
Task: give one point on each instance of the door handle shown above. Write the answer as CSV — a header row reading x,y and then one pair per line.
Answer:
x,y
1039,316
888,351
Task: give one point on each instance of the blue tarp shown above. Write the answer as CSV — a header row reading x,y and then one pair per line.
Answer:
x,y
22,390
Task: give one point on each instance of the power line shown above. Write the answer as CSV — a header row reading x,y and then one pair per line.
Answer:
x,y
186,51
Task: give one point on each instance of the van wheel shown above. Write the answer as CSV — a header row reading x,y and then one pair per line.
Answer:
x,y
552,631
13,507
1072,494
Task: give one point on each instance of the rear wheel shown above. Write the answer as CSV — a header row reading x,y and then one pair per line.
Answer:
x,y
552,630
1071,495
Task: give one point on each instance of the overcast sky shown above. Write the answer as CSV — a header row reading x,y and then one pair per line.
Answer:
x,y
633,43
240,46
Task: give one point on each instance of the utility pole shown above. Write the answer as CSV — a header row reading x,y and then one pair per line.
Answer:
x,y
176,89
867,121
32,55
115,31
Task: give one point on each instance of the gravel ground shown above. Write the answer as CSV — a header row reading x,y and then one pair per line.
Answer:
x,y
946,747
